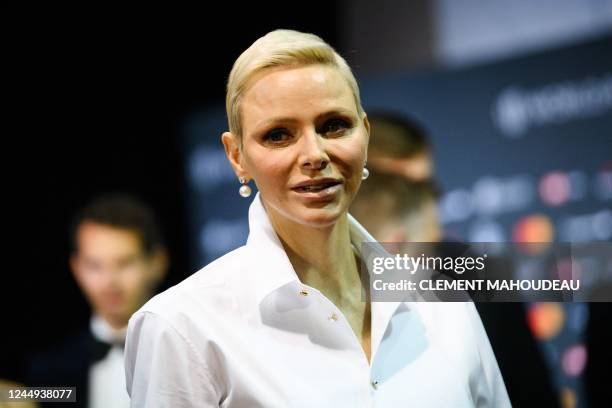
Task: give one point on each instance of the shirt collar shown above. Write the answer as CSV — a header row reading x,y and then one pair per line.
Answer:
x,y
277,270
104,332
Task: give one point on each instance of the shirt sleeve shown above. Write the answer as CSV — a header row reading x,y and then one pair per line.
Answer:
x,y
491,390
163,369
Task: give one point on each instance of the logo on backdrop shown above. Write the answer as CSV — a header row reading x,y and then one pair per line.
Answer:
x,y
518,109
208,168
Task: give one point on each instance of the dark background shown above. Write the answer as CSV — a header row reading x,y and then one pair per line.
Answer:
x,y
97,97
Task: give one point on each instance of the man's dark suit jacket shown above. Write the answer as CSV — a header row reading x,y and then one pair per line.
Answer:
x,y
521,362
65,365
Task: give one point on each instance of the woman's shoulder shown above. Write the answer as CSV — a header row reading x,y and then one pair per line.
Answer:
x,y
216,284
449,317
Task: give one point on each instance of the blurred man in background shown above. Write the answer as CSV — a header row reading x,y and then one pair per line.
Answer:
x,y
399,146
398,203
118,259
398,210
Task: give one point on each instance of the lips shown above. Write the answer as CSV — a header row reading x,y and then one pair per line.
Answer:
x,y
316,185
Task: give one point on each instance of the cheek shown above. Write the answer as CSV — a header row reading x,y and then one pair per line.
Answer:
x,y
352,156
134,281
269,168
92,281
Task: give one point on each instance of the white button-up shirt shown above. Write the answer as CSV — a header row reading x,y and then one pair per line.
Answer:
x,y
106,379
245,332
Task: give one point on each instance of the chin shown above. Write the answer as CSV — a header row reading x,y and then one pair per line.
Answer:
x,y
313,214
117,312
319,217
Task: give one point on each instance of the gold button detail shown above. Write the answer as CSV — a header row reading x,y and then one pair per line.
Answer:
x,y
303,292
333,317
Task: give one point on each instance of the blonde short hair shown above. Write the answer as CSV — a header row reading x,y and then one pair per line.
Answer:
x,y
277,49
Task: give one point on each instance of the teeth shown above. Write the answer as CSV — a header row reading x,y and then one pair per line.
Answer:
x,y
316,187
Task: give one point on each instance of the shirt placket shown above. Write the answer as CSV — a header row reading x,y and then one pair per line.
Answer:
x,y
334,319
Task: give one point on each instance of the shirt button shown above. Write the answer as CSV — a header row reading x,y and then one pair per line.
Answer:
x,y
374,384
333,317
303,292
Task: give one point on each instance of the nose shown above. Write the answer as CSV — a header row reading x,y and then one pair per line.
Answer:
x,y
112,276
313,155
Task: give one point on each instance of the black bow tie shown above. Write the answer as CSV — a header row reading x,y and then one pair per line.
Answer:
x,y
99,349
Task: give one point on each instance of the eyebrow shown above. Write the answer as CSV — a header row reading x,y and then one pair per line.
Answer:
x,y
327,114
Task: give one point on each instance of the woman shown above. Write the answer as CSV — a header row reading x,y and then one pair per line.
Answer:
x,y
281,322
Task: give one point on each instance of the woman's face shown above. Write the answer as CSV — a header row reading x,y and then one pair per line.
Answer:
x,y
303,143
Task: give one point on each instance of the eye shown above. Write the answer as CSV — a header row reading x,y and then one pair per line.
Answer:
x,y
277,136
128,262
334,127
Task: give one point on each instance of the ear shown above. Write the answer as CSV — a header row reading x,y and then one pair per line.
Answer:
x,y
366,125
159,265
75,267
234,153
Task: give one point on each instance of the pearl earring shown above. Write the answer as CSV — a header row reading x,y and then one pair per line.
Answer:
x,y
365,173
245,190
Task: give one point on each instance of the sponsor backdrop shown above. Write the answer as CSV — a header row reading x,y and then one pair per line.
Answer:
x,y
523,150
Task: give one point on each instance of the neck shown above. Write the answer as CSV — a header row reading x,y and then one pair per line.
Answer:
x,y
104,331
114,322
322,257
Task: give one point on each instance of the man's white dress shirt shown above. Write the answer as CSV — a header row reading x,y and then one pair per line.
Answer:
x,y
245,332
106,377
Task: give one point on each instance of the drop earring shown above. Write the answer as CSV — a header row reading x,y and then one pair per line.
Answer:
x,y
365,173
245,190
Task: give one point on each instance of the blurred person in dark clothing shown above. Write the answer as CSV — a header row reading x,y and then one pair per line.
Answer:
x,y
399,204
397,209
400,147
118,259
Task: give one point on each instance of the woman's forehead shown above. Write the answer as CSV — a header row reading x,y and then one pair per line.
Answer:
x,y
296,91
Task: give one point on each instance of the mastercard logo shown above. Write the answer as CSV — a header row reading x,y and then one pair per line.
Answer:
x,y
535,232
533,228
555,189
545,320
574,360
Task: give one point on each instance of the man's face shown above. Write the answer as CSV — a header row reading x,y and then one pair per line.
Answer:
x,y
415,168
113,271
